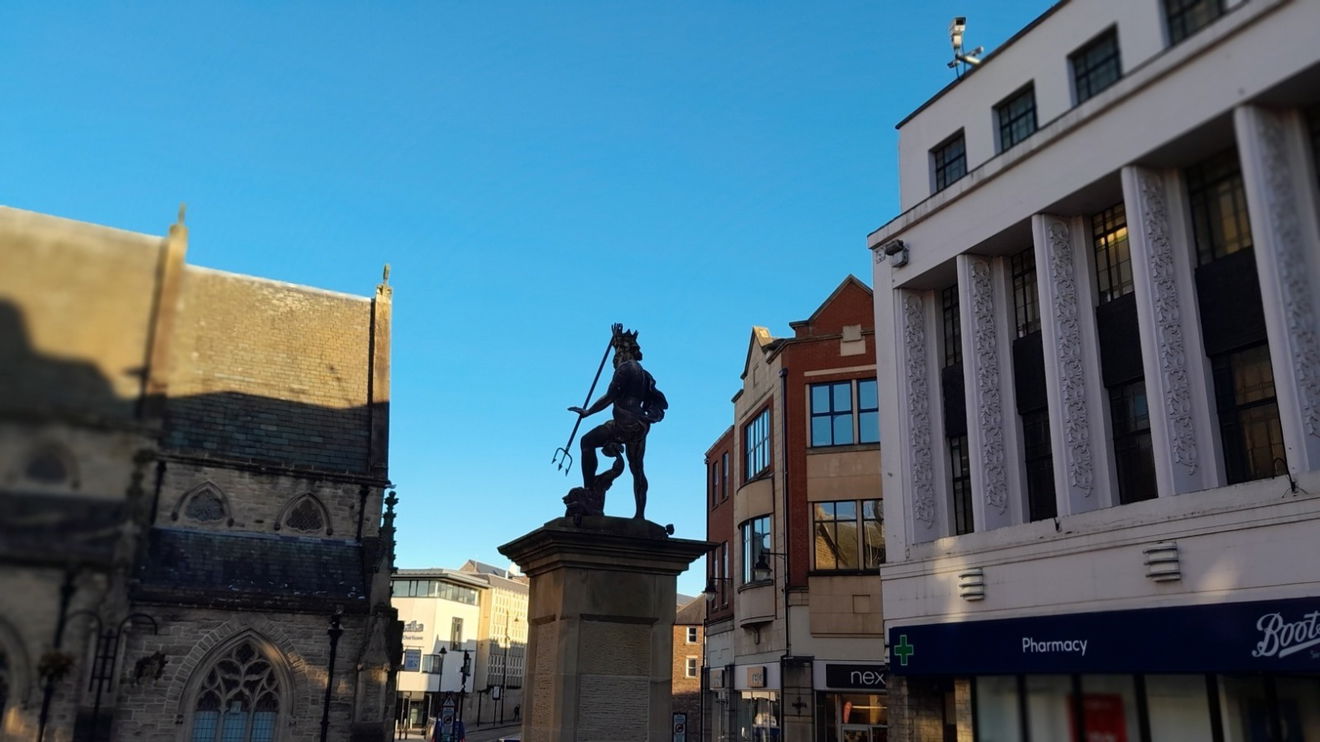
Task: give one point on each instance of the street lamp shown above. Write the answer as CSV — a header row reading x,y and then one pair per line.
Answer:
x,y
504,669
711,590
761,570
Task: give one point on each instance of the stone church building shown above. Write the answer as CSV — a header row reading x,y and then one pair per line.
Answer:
x,y
195,511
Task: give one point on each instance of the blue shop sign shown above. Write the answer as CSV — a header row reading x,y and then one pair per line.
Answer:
x,y
1264,636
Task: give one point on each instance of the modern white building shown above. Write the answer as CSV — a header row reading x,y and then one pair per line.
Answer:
x,y
1099,357
441,612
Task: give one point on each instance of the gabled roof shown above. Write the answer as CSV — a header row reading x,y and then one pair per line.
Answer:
x,y
844,286
692,613
761,340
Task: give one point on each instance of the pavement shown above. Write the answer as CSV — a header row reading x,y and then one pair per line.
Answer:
x,y
486,733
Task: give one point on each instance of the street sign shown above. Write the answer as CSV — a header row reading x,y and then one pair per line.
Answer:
x,y
680,727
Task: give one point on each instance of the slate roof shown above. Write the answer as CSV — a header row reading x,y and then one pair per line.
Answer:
x,y
50,528
253,570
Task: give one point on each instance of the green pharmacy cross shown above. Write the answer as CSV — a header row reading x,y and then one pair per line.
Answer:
x,y
903,650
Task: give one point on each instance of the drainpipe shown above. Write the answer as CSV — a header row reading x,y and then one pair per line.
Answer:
x,y
335,631
788,560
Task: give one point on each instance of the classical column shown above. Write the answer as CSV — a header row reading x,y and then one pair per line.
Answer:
x,y
1178,389
1078,437
1280,199
921,418
987,376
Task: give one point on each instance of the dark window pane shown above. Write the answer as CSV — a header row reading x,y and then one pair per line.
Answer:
x,y
1248,414
1186,17
1134,456
1040,464
1026,302
1096,65
1016,117
960,485
1220,223
1113,262
950,161
952,327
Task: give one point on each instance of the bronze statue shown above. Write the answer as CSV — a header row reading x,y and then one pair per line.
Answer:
x,y
637,404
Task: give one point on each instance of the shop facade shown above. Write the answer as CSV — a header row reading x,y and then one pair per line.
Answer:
x,y
1236,672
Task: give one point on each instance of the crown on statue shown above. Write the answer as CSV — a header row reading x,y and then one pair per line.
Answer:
x,y
624,339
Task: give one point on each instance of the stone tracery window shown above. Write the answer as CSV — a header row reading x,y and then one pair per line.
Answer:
x,y
305,516
239,700
205,503
205,506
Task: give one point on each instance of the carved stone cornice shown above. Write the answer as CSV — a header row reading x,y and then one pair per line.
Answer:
x,y
918,410
985,368
1068,357
1174,385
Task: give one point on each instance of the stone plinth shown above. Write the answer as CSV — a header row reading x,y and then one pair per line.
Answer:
x,y
601,615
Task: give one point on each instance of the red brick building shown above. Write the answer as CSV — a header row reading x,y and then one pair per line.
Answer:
x,y
794,645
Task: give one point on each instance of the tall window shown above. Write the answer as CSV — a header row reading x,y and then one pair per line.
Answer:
x,y
1040,464
955,413
952,326
756,541
848,535
456,634
1186,17
1133,455
1026,300
1096,65
238,700
1016,117
868,412
1219,207
1113,262
961,484
724,475
843,412
1248,414
692,635
756,445
716,479
690,667
950,161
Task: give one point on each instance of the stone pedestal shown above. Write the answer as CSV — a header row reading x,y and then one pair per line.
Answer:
x,y
601,617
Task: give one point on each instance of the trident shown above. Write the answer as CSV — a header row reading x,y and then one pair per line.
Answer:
x,y
562,456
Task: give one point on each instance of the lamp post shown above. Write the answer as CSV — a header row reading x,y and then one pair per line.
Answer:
x,y
504,668
334,632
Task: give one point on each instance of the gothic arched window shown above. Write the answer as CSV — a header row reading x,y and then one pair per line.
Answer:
x,y
305,514
239,699
205,503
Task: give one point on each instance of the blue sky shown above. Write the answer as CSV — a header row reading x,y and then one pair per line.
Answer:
x,y
533,171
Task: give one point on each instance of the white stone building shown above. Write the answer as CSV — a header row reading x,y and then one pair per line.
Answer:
x,y
1098,351
441,612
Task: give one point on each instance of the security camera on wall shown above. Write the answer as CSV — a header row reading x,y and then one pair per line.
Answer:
x,y
957,28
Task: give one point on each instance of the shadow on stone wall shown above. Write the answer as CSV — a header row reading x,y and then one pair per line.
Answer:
x,y
57,414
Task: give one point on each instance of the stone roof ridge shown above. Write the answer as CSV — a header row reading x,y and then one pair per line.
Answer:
x,y
289,285
691,613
